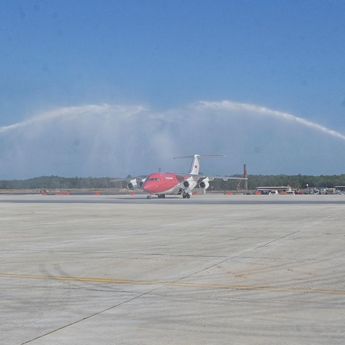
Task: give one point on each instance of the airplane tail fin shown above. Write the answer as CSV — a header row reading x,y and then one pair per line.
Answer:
x,y
195,168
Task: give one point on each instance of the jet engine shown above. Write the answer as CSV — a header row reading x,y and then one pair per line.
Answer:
x,y
132,184
205,183
186,184
136,183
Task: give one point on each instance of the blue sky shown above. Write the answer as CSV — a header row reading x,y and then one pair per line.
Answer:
x,y
285,55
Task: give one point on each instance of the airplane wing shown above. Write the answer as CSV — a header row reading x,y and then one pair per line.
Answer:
x,y
191,181
227,178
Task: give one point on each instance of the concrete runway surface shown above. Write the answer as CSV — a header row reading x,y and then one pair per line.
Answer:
x,y
210,270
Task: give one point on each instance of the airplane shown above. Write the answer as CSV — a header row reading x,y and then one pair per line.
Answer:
x,y
162,184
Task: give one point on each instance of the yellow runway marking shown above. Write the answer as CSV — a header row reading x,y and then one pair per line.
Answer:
x,y
206,286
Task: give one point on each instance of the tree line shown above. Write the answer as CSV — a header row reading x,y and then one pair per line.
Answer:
x,y
294,181
254,181
56,182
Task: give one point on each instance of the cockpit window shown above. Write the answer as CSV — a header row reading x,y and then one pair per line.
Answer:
x,y
156,179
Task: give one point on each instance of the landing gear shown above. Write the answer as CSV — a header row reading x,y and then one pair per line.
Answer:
x,y
161,196
186,195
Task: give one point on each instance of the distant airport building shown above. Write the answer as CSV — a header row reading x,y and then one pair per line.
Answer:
x,y
340,188
274,190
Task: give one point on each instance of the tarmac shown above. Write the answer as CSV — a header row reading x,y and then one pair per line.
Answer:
x,y
215,269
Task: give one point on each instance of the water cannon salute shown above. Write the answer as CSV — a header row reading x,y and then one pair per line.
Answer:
x,y
118,140
105,239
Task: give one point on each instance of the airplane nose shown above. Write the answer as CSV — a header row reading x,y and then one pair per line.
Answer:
x,y
150,187
147,187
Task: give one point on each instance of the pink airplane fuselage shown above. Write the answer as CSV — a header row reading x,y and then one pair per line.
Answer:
x,y
163,183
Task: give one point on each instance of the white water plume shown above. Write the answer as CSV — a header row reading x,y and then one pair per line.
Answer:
x,y
116,140
70,112
256,109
